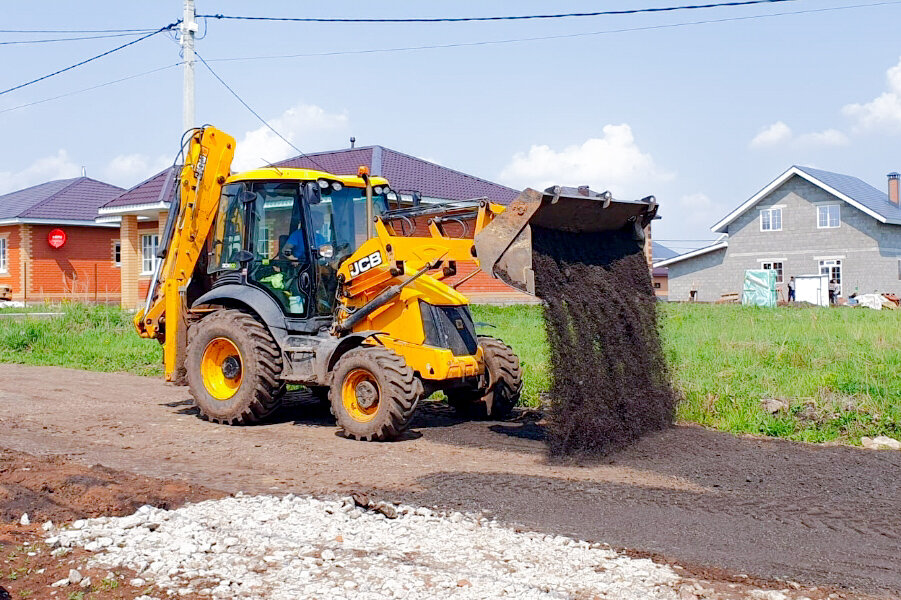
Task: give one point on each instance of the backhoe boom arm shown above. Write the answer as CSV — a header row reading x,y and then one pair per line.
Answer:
x,y
206,167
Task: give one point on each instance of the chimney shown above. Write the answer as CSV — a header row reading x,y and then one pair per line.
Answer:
x,y
353,141
84,173
894,193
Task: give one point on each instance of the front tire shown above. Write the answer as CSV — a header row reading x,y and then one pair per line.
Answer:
x,y
504,384
233,368
373,394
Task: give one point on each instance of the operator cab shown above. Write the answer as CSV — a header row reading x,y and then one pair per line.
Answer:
x,y
288,234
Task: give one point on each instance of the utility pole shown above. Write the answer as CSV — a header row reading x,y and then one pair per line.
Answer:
x,y
188,29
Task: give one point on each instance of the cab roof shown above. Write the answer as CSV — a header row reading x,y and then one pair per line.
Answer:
x,y
291,174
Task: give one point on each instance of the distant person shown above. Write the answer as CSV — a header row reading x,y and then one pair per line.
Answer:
x,y
833,291
791,289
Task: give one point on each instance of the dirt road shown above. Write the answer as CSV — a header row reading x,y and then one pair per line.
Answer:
x,y
818,515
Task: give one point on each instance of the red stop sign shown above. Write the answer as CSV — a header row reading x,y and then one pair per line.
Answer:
x,y
56,238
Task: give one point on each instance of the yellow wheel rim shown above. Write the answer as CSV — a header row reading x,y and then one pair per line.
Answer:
x,y
360,395
222,368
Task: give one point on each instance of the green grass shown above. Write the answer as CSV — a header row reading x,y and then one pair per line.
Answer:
x,y
838,370
93,337
522,328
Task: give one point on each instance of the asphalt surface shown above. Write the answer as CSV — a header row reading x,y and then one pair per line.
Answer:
x,y
819,515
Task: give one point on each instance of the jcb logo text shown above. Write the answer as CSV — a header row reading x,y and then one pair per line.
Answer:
x,y
365,263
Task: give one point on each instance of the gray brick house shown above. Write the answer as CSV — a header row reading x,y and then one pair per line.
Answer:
x,y
806,222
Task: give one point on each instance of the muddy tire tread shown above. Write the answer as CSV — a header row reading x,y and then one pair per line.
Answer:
x,y
268,389
400,388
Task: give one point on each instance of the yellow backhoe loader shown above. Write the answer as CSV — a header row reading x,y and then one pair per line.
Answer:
x,y
283,276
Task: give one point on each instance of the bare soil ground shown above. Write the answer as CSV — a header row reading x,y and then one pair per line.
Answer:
x,y
56,489
719,505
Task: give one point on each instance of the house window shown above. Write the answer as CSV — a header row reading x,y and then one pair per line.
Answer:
x,y
117,253
771,219
4,262
829,216
656,285
774,266
149,246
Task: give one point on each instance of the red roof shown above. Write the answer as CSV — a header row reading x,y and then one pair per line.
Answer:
x,y
405,173
159,188
66,199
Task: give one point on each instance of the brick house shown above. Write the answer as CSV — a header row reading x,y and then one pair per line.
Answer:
x,y
78,262
805,222
142,210
660,275
140,214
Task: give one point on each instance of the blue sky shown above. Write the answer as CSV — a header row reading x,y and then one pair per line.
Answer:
x,y
702,116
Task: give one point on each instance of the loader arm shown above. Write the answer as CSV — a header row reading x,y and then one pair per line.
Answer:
x,y
389,261
206,167
501,246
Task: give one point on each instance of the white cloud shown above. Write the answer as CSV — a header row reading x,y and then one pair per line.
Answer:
x,y
48,168
775,134
883,111
781,134
309,127
127,170
828,137
613,162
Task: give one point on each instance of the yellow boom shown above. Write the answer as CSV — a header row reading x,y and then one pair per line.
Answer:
x,y
207,164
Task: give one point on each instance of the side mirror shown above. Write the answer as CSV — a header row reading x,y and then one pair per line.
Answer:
x,y
248,197
311,193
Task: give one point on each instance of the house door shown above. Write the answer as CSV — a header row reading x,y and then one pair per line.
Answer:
x,y
832,268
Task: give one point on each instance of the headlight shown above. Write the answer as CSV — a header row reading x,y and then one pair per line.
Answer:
x,y
377,190
336,185
322,183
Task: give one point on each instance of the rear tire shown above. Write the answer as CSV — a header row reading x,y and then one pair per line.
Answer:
x,y
373,393
233,368
497,399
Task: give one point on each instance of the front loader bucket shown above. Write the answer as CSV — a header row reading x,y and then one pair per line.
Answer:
x,y
504,246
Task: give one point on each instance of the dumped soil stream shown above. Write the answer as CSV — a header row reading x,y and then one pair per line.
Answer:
x,y
610,379
756,507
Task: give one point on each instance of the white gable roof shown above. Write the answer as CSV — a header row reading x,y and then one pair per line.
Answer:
x,y
818,178
692,254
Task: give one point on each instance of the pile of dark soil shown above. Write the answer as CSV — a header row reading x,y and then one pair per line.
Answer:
x,y
610,380
55,488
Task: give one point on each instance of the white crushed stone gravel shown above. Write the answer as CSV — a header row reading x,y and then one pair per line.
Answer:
x,y
298,547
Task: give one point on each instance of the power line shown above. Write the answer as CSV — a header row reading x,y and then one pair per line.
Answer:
x,y
630,11
556,37
93,87
75,30
254,113
93,58
70,39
